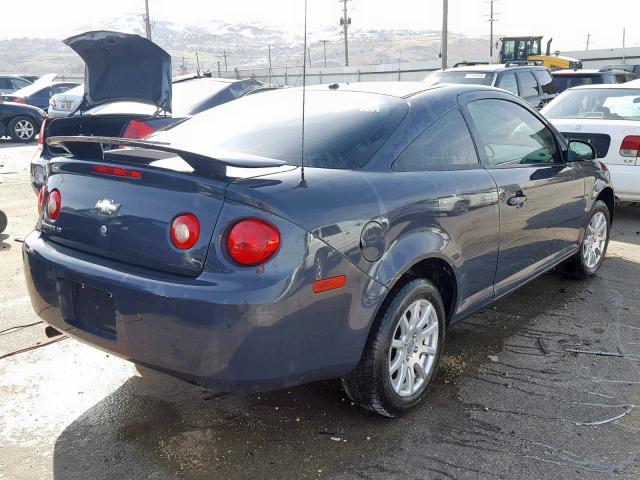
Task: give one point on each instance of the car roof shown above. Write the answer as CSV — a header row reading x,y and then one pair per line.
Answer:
x,y
633,85
393,89
590,71
189,77
490,67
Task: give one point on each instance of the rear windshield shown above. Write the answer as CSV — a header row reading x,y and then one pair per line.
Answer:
x,y
467,77
609,104
342,129
567,81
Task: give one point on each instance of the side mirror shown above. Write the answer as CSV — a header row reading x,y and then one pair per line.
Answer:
x,y
580,151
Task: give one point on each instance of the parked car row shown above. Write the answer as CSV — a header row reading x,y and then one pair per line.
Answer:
x,y
294,235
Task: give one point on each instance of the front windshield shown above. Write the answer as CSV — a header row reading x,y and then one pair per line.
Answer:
x,y
608,104
342,129
465,77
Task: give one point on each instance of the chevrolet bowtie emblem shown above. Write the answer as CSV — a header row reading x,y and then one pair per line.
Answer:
x,y
107,206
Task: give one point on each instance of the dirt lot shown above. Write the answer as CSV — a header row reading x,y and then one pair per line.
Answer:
x,y
528,389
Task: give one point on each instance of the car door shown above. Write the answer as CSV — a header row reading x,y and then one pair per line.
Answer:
x,y
453,196
542,197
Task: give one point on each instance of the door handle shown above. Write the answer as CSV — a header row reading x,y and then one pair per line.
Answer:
x,y
517,200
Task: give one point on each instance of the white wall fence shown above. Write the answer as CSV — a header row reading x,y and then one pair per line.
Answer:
x,y
292,76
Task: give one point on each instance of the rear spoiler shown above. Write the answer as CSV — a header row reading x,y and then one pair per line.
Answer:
x,y
83,146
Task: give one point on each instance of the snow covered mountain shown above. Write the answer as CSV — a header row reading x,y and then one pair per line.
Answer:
x,y
245,44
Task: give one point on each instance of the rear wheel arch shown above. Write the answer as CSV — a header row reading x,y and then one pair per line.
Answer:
x,y
438,271
608,197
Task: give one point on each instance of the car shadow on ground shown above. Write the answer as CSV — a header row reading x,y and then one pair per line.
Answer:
x,y
474,419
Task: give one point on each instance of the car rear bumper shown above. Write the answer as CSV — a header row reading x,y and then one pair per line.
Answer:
x,y
626,181
194,329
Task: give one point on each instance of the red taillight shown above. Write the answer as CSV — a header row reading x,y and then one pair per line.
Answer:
x,y
252,242
17,100
54,203
327,284
630,146
138,130
41,200
42,135
185,231
115,171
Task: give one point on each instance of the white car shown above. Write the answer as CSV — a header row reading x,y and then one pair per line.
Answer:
x,y
64,104
607,116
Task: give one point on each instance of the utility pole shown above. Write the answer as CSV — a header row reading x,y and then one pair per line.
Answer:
x,y
224,54
445,21
324,46
492,19
309,55
147,20
345,21
624,38
588,38
269,47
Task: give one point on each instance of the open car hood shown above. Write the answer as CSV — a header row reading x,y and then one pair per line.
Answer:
x,y
123,67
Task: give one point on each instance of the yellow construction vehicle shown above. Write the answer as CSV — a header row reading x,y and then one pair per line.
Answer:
x,y
529,49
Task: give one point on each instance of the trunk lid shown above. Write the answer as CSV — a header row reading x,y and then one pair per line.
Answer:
x,y
123,67
129,220
605,135
127,216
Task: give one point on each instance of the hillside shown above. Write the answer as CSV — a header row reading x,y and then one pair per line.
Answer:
x,y
246,45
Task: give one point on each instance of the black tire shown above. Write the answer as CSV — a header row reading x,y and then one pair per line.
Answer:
x,y
576,266
3,221
369,385
28,135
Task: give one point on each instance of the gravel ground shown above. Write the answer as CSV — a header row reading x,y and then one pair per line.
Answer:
x,y
528,388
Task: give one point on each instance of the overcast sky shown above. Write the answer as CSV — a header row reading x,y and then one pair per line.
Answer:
x,y
567,21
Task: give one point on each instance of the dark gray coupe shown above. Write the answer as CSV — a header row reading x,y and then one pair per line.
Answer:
x,y
206,251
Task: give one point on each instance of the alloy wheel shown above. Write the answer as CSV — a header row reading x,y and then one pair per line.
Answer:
x,y
595,240
413,348
24,129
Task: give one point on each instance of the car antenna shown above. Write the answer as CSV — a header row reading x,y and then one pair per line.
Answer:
x,y
304,95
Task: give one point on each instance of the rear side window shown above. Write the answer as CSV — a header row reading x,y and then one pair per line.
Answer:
x,y
528,85
5,83
446,143
508,82
546,82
